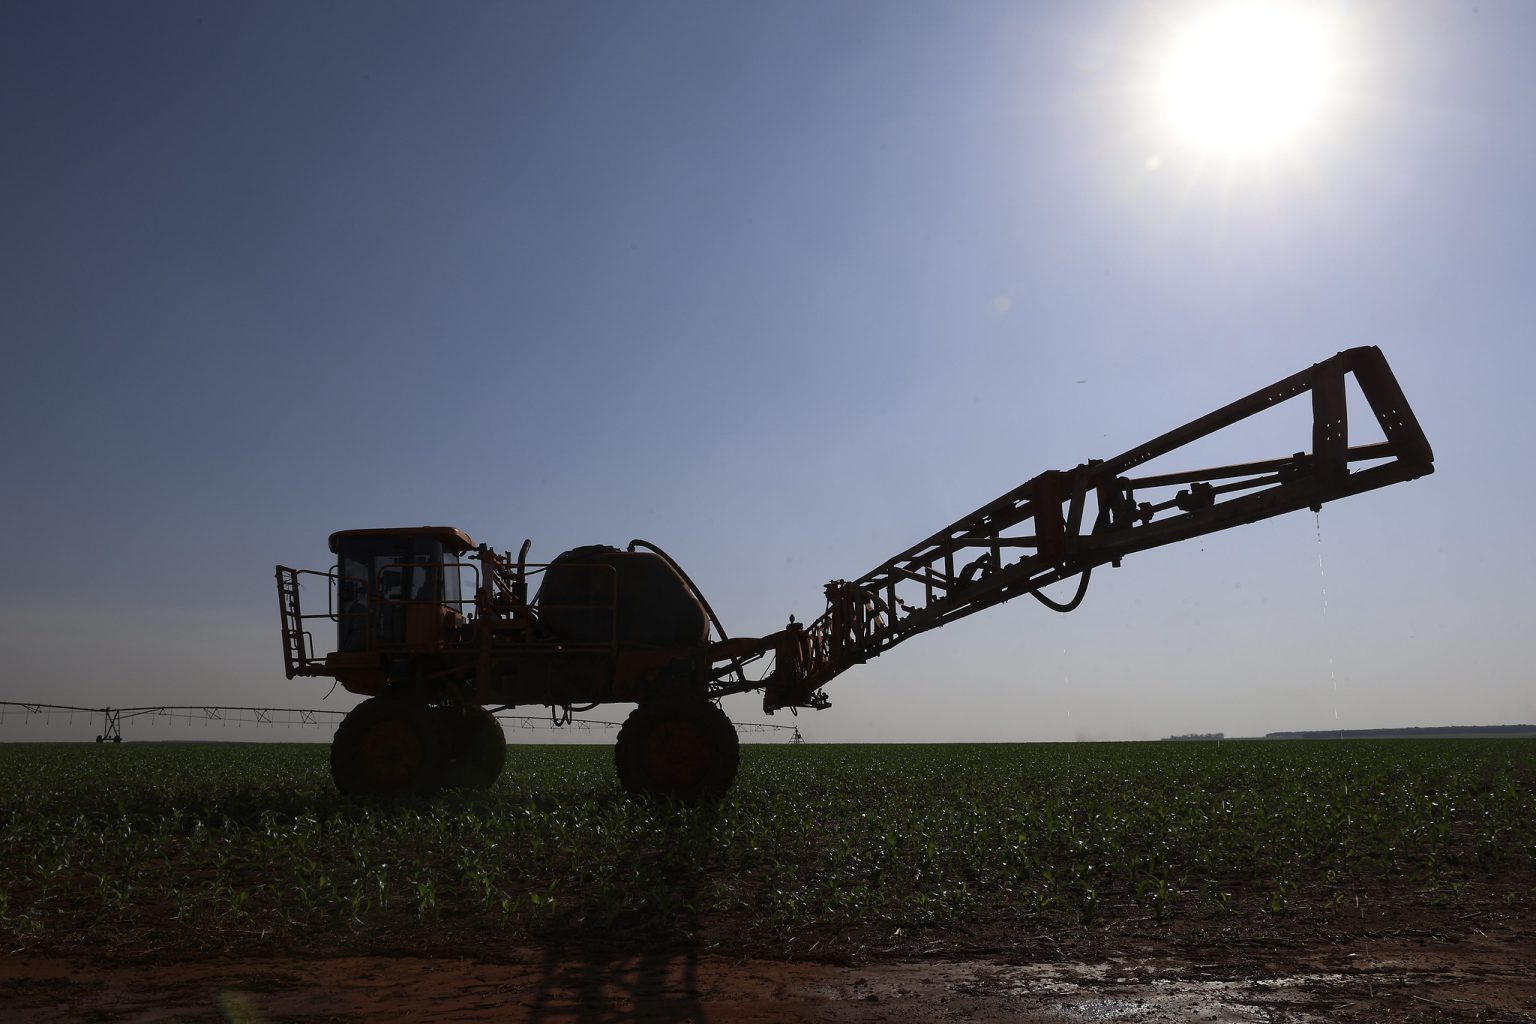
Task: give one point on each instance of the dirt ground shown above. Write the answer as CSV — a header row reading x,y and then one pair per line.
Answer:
x,y
1481,971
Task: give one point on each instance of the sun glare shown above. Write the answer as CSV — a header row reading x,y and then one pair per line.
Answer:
x,y
1249,75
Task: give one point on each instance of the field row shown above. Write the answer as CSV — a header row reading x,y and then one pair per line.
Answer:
x,y
174,842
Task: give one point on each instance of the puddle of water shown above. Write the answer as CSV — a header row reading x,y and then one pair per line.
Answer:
x,y
1040,990
1103,1009
1076,993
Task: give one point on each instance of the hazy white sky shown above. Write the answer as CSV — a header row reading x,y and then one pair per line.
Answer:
x,y
781,287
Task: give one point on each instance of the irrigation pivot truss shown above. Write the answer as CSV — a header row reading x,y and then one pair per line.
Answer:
x,y
112,718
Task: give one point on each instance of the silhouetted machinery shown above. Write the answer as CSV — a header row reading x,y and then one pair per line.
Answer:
x,y
440,633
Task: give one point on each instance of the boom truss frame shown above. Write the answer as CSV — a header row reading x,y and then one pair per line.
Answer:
x,y
1064,523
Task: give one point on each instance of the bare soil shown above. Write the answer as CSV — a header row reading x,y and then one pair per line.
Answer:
x,y
1441,964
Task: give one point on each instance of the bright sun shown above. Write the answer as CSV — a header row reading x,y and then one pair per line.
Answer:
x,y
1249,76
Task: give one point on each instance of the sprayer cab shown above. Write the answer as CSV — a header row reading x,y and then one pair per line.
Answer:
x,y
398,589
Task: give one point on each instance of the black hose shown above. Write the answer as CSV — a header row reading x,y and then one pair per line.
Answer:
x,y
1077,598
1101,521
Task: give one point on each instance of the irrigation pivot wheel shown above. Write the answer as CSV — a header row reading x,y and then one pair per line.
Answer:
x,y
683,749
387,747
476,747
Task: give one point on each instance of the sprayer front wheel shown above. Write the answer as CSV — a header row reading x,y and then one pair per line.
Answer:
x,y
684,750
387,747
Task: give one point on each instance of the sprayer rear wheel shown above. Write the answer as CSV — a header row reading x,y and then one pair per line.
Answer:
x,y
684,750
477,748
387,747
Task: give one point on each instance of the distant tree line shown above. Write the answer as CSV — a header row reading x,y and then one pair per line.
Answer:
x,y
1411,732
1197,736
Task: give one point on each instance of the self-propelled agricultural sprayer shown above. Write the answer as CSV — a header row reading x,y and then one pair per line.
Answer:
x,y
440,633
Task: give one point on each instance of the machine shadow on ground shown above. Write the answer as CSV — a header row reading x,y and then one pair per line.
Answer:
x,y
641,964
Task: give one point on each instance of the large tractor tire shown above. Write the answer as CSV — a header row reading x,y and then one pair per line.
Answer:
x,y
476,750
684,750
387,747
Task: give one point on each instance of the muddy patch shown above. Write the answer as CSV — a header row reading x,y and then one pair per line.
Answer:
x,y
1492,981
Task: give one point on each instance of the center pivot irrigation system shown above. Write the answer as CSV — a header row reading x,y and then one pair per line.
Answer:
x,y
222,714
441,633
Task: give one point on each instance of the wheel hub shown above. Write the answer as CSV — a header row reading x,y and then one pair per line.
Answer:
x,y
393,755
677,755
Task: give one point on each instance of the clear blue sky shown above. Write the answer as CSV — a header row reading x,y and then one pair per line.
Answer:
x,y
781,287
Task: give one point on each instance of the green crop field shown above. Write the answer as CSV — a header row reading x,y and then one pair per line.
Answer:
x,y
159,845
